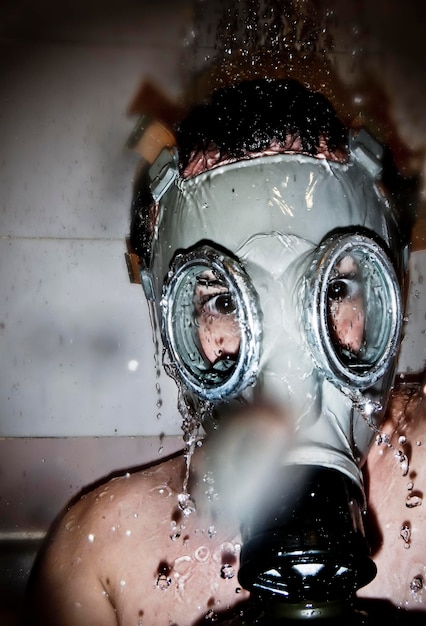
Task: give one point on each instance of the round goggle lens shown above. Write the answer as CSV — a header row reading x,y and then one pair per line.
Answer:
x,y
209,310
358,309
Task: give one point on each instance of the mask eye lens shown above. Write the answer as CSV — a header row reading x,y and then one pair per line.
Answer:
x,y
355,315
210,319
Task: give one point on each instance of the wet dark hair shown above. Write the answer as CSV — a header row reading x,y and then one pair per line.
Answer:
x,y
250,115
245,117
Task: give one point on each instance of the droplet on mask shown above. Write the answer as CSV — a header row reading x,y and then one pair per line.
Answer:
x,y
227,571
416,584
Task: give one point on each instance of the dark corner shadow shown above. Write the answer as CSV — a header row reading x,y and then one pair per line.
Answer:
x,y
365,613
372,529
384,612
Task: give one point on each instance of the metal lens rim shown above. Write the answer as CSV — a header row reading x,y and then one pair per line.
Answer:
x,y
245,368
323,346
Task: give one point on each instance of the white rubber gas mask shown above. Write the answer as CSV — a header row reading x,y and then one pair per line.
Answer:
x,y
278,278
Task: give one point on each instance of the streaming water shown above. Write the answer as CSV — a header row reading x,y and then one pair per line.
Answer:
x,y
157,361
369,409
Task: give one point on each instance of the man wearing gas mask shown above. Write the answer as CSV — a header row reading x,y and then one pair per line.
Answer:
x,y
273,261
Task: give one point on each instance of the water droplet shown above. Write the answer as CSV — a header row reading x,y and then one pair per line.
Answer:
x,y
211,531
413,500
416,584
163,581
70,525
186,504
91,538
211,616
176,531
410,486
405,534
128,533
382,439
122,583
403,461
402,440
202,554
227,571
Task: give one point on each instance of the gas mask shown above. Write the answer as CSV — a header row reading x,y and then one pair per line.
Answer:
x,y
278,278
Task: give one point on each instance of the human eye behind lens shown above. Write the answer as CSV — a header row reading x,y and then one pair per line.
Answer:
x,y
346,283
346,314
219,304
344,287
212,296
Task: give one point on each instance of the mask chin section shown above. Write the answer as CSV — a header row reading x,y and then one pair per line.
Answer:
x,y
305,554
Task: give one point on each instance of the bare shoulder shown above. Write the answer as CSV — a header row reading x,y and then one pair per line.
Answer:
x,y
94,537
126,553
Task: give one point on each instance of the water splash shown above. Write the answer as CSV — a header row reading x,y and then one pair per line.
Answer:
x,y
211,531
210,491
193,411
369,409
186,503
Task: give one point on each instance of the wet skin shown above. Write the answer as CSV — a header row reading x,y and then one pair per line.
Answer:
x,y
115,557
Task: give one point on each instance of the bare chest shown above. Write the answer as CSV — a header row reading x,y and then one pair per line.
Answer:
x,y
177,571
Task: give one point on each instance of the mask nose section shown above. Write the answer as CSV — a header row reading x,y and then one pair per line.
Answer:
x,y
304,551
